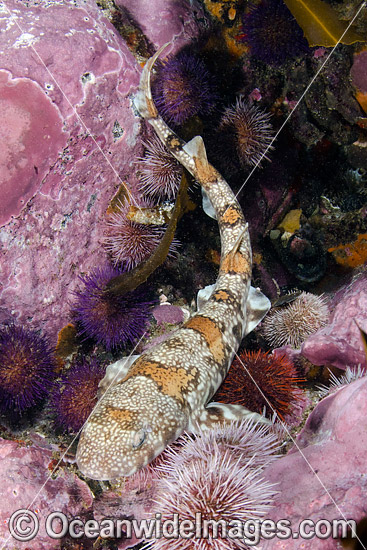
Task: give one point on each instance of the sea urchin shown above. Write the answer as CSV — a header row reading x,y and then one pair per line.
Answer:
x,y
250,442
160,172
184,88
258,381
273,33
26,369
76,395
129,243
295,322
218,487
111,320
249,130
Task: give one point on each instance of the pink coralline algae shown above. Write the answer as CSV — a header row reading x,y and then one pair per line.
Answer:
x,y
135,500
23,475
162,21
67,82
27,117
339,343
323,476
70,139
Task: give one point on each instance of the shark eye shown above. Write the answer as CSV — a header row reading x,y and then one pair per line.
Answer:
x,y
139,438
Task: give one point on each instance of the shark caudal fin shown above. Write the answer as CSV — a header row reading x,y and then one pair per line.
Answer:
x,y
191,155
143,100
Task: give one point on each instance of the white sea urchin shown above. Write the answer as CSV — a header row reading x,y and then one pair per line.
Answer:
x,y
295,322
216,476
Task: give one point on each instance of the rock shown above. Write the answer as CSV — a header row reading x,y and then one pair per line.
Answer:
x,y
176,21
323,475
339,343
134,500
69,138
358,71
69,141
25,482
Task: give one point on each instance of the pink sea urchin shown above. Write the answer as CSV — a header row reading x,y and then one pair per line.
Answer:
x,y
337,382
218,486
295,322
160,173
130,243
249,129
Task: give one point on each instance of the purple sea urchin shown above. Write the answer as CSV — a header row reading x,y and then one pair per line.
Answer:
x,y
160,172
218,486
249,129
273,33
184,88
76,395
111,320
295,322
130,243
26,369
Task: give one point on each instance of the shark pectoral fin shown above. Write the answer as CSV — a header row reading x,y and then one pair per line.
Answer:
x,y
203,296
115,373
223,413
257,307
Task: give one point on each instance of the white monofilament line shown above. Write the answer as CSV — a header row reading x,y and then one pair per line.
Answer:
x,y
354,534
76,436
263,155
248,177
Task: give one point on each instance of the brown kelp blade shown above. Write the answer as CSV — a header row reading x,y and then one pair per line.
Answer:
x,y
320,23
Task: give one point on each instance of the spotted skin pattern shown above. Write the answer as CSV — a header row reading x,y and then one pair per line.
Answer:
x,y
167,389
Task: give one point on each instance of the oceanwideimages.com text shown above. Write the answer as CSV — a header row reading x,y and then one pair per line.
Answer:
x,y
24,525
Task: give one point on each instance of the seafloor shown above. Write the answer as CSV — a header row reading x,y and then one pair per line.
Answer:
x,y
100,259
